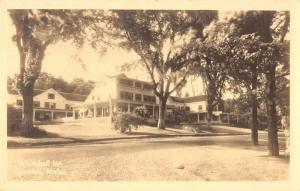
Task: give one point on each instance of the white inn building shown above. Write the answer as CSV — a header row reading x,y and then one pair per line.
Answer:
x,y
120,93
114,93
49,104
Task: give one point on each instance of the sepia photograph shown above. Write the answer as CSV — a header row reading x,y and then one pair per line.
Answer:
x,y
114,95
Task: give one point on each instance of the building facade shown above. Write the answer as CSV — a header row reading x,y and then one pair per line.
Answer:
x,y
49,104
113,93
120,93
117,93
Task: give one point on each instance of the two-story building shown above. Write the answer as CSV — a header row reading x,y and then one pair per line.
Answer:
x,y
124,94
197,107
117,93
49,104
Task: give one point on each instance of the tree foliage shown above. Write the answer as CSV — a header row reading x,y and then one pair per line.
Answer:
x,y
270,56
210,62
46,81
160,39
35,31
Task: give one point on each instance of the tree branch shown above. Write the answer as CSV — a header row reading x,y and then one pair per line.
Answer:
x,y
178,85
282,75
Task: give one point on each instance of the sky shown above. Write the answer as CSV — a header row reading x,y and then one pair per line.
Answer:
x,y
61,60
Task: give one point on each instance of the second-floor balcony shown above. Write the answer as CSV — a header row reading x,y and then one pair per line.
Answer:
x,y
135,84
137,97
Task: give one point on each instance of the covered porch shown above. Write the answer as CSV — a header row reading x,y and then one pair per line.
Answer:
x,y
42,114
104,109
201,117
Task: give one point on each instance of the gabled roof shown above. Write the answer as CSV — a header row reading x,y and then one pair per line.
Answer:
x,y
35,92
122,75
67,96
73,97
189,99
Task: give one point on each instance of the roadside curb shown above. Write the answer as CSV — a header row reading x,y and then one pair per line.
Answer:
x,y
70,141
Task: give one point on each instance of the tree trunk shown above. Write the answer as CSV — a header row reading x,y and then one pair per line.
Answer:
x,y
27,122
271,112
209,112
162,113
254,126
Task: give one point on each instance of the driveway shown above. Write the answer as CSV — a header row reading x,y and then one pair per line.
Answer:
x,y
94,131
212,158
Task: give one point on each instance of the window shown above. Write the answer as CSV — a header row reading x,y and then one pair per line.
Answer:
x,y
123,107
138,97
51,96
126,82
148,86
126,95
19,102
36,104
138,85
200,108
67,106
187,108
149,98
53,105
47,105
218,107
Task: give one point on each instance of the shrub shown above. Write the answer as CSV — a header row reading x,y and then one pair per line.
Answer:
x,y
142,111
177,116
245,121
126,121
14,117
151,122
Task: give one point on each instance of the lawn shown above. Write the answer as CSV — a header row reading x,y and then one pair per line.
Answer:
x,y
221,158
95,130
93,151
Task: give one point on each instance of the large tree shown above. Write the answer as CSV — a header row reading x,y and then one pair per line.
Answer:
x,y
210,62
245,72
271,27
35,31
160,39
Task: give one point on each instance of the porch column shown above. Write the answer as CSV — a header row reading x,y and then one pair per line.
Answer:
x,y
66,113
198,118
128,107
52,115
73,113
110,113
228,118
95,111
33,115
153,111
110,109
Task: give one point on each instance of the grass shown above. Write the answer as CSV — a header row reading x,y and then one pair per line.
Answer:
x,y
214,158
204,159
